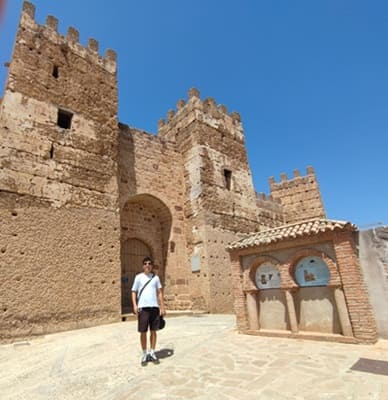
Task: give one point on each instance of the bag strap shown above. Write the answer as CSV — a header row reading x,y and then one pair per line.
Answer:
x,y
141,291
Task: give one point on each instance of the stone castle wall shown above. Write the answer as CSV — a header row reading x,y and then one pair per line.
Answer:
x,y
220,198
270,211
58,186
152,177
77,188
373,252
299,197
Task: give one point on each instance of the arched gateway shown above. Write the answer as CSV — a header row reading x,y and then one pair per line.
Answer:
x,y
145,231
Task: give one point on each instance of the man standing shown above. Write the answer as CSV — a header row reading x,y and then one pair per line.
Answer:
x,y
148,305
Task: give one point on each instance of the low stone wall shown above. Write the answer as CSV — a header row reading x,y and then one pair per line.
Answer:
x,y
373,252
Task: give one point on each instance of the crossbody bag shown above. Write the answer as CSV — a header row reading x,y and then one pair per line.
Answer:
x,y
141,291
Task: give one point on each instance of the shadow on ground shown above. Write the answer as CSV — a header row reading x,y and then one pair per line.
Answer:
x,y
164,353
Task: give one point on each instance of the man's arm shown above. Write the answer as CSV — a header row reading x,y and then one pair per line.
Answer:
x,y
134,302
161,302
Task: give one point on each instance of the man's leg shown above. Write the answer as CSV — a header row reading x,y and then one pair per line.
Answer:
x,y
152,354
153,340
154,324
143,318
143,341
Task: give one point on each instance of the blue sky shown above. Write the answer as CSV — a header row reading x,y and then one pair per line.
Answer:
x,y
309,78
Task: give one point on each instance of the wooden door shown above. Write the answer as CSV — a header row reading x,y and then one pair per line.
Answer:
x,y
132,253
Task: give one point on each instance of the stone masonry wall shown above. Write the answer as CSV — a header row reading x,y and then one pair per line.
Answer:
x,y
373,251
141,221
270,211
220,199
60,267
355,289
75,185
299,197
151,174
75,166
59,237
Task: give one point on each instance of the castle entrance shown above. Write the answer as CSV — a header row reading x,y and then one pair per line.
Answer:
x,y
133,252
145,231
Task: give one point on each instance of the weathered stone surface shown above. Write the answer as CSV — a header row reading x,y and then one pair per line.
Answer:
x,y
299,197
60,225
373,246
67,166
57,264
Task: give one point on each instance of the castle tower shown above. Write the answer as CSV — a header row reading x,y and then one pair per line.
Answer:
x,y
220,198
58,182
299,197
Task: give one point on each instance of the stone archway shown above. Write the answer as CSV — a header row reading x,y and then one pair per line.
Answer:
x,y
145,230
316,275
133,252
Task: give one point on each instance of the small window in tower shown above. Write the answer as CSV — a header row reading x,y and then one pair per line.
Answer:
x,y
64,119
228,178
55,71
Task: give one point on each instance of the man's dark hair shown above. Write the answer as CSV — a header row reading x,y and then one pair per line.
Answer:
x,y
145,259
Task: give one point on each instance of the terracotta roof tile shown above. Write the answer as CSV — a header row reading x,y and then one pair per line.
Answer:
x,y
291,231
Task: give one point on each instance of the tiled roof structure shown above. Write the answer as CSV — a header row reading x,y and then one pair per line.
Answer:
x,y
291,231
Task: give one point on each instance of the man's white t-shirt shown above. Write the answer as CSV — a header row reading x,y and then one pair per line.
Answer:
x,y
149,296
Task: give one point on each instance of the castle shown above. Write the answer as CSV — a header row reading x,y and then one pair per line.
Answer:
x,y
84,197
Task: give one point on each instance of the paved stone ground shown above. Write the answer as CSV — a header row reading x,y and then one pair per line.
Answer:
x,y
209,361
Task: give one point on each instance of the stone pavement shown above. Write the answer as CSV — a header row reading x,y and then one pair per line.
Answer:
x,y
203,358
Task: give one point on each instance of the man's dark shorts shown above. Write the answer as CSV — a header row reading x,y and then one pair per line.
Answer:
x,y
148,318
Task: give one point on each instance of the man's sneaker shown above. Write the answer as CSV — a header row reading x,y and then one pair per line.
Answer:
x,y
144,360
152,357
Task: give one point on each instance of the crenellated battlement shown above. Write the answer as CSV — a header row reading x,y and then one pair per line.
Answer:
x,y
262,197
270,211
206,111
295,180
50,31
299,196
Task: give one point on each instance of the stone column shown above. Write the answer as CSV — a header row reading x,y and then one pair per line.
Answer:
x,y
253,311
346,326
240,307
291,312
